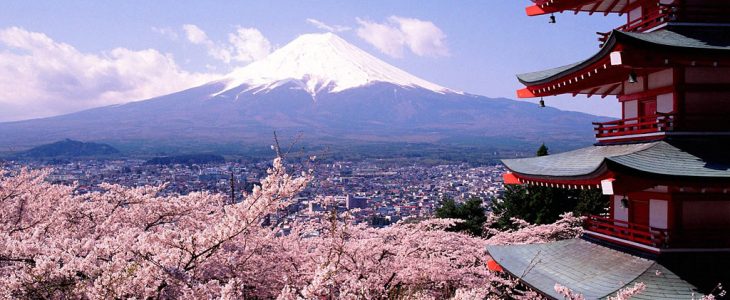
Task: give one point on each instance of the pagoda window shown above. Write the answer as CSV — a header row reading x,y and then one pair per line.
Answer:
x,y
631,110
659,213
665,103
635,14
620,210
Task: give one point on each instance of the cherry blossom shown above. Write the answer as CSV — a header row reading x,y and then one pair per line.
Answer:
x,y
136,243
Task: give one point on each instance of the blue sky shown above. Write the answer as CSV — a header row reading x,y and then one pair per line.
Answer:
x,y
62,56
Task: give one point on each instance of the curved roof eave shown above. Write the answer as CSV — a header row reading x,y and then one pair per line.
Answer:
x,y
578,164
689,159
545,76
675,37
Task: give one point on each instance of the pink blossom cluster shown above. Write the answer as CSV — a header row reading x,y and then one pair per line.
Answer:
x,y
133,243
567,227
622,294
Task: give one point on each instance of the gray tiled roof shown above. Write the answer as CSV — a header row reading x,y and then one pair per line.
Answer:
x,y
687,159
574,163
691,37
590,269
676,37
541,75
703,159
665,285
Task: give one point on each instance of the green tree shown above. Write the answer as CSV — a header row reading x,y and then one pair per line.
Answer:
x,y
542,151
471,211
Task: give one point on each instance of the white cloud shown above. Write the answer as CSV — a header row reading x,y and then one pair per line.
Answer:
x,y
386,38
195,35
244,45
165,31
40,77
248,44
331,28
422,38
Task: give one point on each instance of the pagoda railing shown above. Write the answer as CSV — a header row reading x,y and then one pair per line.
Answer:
x,y
633,232
665,13
660,122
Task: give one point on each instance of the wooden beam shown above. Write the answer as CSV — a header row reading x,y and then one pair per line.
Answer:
x,y
593,92
648,93
610,7
595,7
610,90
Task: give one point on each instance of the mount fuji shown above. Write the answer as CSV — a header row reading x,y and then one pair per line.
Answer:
x,y
320,85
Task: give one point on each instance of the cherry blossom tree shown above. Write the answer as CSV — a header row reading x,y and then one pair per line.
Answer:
x,y
567,227
129,242
136,243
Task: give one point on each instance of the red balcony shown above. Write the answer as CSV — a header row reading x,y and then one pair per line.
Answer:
x,y
660,122
708,238
642,234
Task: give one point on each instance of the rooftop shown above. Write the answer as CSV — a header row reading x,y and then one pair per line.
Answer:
x,y
677,158
590,269
674,37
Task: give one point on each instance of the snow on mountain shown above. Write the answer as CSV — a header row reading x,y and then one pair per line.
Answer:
x,y
322,62
359,99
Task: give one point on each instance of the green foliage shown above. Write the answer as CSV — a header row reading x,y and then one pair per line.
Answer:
x,y
542,151
543,205
591,202
471,211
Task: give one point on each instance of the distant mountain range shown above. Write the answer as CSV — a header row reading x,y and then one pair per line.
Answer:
x,y
323,87
69,149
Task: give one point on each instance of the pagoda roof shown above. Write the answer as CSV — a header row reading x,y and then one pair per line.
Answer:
x,y
672,38
590,269
542,7
585,162
674,158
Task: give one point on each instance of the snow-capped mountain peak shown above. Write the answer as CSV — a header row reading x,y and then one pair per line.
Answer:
x,y
322,62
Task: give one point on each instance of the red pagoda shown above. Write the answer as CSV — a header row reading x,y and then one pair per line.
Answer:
x,y
665,165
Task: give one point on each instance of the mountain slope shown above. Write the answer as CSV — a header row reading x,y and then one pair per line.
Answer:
x,y
319,85
69,148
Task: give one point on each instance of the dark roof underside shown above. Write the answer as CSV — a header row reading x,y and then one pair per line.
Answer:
x,y
705,39
680,158
585,5
590,269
